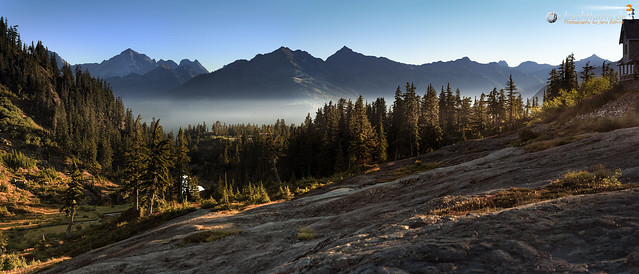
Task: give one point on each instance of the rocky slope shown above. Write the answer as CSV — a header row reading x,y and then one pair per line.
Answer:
x,y
364,224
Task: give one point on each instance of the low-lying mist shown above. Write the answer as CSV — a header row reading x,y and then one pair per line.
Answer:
x,y
181,113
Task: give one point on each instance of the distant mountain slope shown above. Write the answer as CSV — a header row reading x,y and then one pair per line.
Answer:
x,y
194,65
282,73
61,62
123,64
289,74
285,73
160,79
132,74
380,76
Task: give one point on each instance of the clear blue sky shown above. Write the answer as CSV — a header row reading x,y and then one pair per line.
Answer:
x,y
220,32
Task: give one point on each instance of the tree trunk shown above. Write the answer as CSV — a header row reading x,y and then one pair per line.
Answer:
x,y
70,222
181,189
277,176
137,199
151,198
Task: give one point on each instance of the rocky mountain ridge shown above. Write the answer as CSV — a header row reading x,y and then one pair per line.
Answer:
x,y
286,73
296,74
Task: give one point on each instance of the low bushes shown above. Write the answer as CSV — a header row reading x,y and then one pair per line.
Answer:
x,y
306,234
15,159
12,261
571,183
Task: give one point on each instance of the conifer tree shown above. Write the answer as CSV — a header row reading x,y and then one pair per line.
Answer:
x,y
493,108
554,84
503,109
72,196
135,161
156,175
274,150
587,72
511,100
480,115
362,136
568,74
465,117
430,130
396,124
448,111
380,155
411,119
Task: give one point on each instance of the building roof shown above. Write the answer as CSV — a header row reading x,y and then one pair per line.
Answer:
x,y
629,30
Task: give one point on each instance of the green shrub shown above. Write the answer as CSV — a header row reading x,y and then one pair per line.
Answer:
x,y
169,207
307,184
255,194
208,203
15,159
571,183
12,261
49,174
4,212
600,178
285,193
305,234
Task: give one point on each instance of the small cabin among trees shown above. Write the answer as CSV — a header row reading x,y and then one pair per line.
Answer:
x,y
629,37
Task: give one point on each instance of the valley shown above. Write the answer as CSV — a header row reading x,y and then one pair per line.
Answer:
x,y
441,142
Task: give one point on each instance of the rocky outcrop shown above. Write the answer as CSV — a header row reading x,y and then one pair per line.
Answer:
x,y
364,226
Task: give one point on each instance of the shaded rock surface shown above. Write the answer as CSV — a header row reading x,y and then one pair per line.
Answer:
x,y
364,226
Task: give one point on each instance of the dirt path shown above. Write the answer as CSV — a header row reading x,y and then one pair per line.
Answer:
x,y
363,226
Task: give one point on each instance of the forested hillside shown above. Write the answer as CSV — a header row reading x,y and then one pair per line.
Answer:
x,y
79,115
69,150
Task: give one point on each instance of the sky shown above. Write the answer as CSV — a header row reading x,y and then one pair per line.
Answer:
x,y
415,32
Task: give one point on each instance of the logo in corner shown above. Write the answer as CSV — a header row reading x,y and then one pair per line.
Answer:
x,y
551,17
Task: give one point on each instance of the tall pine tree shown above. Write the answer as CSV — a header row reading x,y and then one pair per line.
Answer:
x,y
156,175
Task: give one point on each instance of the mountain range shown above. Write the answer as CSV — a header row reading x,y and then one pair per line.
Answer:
x,y
134,75
285,73
296,74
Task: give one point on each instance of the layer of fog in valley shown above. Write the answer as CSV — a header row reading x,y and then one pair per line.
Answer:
x,y
181,113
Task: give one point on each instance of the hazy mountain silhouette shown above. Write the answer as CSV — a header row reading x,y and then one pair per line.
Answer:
x,y
169,63
288,74
284,73
125,63
280,74
132,74
158,80
194,65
